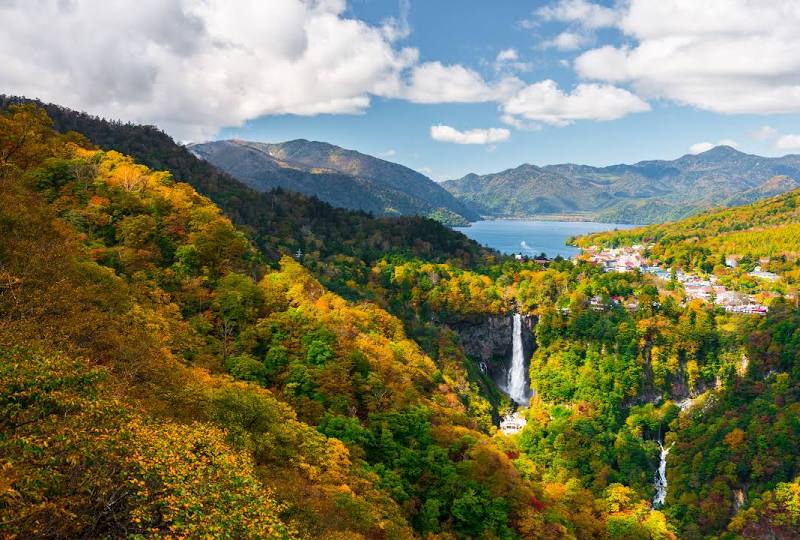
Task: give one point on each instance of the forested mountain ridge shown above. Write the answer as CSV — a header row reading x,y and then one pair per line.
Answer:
x,y
157,296
765,233
342,177
160,379
335,242
162,376
644,192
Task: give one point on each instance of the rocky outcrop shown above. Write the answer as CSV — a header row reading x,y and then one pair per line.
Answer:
x,y
489,342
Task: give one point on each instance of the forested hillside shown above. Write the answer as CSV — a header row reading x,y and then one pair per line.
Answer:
x,y
161,379
280,222
626,364
645,192
765,233
162,375
344,178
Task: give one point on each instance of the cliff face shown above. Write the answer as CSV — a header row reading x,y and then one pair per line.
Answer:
x,y
490,343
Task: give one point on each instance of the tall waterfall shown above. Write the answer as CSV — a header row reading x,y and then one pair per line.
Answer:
x,y
661,477
517,386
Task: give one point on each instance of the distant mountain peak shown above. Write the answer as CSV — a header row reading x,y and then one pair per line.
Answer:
x,y
643,192
340,176
722,151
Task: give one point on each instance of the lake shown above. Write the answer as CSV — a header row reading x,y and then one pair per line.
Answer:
x,y
531,238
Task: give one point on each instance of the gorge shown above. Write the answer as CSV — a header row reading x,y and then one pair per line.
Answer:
x,y
501,346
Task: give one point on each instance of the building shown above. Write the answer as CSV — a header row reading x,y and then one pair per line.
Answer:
x,y
512,423
761,274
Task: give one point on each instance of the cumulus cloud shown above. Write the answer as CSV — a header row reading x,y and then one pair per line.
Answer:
x,y
736,56
546,102
445,133
784,142
790,142
398,28
434,82
192,67
764,133
586,14
508,60
507,55
520,124
567,41
699,148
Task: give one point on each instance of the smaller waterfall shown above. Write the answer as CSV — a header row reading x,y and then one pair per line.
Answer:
x,y
661,477
517,385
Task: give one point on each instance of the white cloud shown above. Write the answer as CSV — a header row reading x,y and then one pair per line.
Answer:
x,y
192,67
585,13
699,148
398,28
789,142
568,41
387,154
519,123
764,133
508,60
471,136
434,82
546,102
507,55
783,142
731,56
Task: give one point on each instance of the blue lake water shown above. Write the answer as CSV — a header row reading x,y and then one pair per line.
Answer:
x,y
531,238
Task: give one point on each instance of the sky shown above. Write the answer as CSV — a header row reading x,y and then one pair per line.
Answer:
x,y
446,87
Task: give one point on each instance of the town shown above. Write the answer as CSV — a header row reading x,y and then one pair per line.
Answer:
x,y
705,288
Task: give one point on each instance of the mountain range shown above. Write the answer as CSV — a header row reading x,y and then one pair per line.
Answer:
x,y
279,221
341,177
179,362
644,192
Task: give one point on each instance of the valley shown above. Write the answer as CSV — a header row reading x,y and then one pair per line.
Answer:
x,y
351,374
399,270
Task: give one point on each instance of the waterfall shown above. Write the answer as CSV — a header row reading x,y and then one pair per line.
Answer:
x,y
661,477
517,386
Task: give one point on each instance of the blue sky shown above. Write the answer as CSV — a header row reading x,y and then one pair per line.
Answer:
x,y
446,87
472,33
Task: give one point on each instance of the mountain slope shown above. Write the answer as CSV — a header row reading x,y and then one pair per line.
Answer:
x,y
280,222
767,229
645,192
336,175
263,173
158,380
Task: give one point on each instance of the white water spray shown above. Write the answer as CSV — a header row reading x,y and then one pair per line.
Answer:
x,y
517,388
661,477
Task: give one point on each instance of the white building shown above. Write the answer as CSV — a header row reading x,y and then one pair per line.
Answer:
x,y
512,423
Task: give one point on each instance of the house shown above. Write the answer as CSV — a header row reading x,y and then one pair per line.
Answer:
x,y
761,274
512,423
597,304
